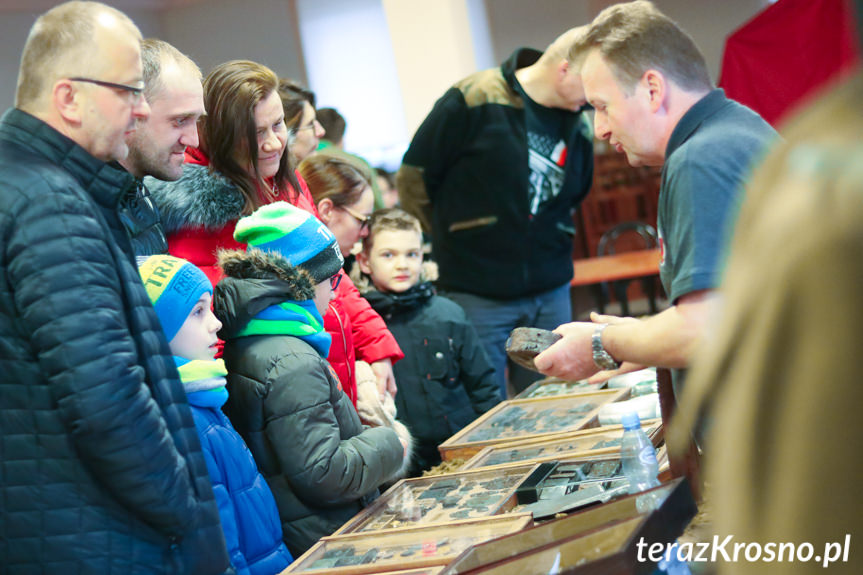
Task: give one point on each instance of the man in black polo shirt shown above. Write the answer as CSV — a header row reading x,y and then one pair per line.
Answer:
x,y
655,102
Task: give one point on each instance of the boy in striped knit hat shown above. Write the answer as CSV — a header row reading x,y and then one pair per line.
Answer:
x,y
181,295
286,400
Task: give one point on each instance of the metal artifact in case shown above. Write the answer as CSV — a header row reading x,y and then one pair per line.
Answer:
x,y
399,549
529,418
441,499
585,443
600,539
554,386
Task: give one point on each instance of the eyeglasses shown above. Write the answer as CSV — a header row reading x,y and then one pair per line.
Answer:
x,y
335,281
134,91
310,126
363,220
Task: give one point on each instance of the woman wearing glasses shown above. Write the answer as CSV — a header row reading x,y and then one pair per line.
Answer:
x,y
239,166
343,197
301,119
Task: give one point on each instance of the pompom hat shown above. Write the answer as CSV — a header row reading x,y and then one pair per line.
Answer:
x,y
295,234
174,286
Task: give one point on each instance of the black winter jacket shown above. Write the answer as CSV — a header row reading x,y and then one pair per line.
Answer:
x,y
140,217
445,380
466,176
101,470
285,400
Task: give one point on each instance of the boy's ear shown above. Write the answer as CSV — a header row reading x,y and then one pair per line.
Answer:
x,y
363,261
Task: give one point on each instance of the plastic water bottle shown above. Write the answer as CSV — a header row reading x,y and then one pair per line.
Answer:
x,y
637,455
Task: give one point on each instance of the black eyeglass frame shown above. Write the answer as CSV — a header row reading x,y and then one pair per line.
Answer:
x,y
335,281
134,90
364,221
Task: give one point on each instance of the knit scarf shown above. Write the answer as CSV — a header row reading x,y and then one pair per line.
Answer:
x,y
296,318
203,381
389,304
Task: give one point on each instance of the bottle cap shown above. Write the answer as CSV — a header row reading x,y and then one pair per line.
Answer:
x,y
630,421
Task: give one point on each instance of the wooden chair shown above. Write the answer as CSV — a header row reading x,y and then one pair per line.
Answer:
x,y
622,236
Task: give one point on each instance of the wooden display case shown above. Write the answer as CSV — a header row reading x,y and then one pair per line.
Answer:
x,y
418,548
600,539
441,499
586,443
554,386
529,418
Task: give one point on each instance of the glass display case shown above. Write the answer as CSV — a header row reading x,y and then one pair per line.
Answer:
x,y
441,499
529,418
585,443
413,550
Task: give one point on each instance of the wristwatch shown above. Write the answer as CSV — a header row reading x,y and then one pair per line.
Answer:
x,y
602,358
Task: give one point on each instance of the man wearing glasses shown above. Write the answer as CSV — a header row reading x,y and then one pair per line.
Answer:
x,y
101,470
157,147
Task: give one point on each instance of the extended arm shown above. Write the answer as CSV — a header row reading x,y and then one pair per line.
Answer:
x,y
667,339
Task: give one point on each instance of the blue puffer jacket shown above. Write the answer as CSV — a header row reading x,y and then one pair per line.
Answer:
x,y
101,469
250,518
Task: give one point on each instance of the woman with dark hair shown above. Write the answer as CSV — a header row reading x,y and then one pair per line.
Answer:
x,y
301,119
239,166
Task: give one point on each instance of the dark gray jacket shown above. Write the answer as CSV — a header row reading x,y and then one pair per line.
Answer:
x,y
101,470
445,380
286,401
140,217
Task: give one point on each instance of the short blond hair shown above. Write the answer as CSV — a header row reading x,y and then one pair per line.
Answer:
x,y
62,43
635,37
155,54
390,219
562,46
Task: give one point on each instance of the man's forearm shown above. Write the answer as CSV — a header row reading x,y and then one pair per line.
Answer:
x,y
668,339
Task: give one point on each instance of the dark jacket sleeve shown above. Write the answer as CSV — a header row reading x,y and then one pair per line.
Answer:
x,y
372,340
69,299
436,144
476,372
328,458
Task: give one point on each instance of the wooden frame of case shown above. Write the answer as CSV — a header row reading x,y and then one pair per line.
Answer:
x,y
399,549
401,506
464,444
555,386
569,446
599,539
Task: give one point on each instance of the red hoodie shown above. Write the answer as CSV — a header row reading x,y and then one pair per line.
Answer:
x,y
356,329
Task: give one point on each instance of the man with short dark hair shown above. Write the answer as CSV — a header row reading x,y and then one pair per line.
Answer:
x,y
654,101
494,174
101,469
157,146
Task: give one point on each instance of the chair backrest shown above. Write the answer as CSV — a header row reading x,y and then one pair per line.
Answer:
x,y
608,241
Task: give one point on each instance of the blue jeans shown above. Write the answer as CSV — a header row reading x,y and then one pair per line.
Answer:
x,y
494,319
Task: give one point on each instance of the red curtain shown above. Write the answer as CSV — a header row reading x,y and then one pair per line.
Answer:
x,y
782,56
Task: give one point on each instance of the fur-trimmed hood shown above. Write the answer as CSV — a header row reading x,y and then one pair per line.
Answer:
x,y
254,281
200,198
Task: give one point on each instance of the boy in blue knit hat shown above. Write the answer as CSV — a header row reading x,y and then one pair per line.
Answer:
x,y
181,295
286,400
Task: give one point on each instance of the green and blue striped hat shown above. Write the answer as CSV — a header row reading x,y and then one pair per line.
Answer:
x,y
295,234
